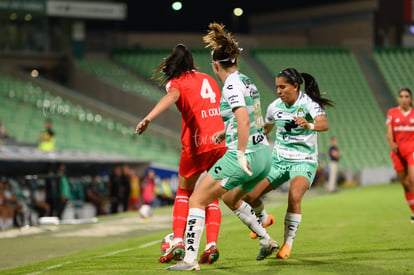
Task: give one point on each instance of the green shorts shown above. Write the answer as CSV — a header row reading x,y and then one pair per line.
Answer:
x,y
228,170
283,170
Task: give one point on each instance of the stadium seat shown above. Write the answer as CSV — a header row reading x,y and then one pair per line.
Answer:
x,y
396,66
24,107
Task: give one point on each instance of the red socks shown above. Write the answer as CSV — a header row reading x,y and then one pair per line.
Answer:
x,y
213,221
409,197
180,212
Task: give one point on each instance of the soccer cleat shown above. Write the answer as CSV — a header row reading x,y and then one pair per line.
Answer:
x,y
209,256
284,252
180,266
267,250
175,252
269,222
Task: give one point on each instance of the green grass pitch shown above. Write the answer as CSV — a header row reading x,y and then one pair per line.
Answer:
x,y
359,230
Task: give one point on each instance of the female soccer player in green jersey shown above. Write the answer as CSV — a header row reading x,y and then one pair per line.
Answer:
x,y
248,157
298,116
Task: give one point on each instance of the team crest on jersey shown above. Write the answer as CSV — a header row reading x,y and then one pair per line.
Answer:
x,y
397,120
300,113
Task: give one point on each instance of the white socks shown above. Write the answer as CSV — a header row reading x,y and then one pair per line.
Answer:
x,y
248,217
292,222
177,240
261,213
195,228
210,245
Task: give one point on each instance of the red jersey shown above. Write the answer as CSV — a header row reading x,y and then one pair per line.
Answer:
x,y
402,129
199,104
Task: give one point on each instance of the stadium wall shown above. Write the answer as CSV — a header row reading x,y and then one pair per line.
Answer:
x,y
169,40
349,24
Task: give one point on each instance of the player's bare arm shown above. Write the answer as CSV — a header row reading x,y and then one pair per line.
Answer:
x,y
169,99
390,139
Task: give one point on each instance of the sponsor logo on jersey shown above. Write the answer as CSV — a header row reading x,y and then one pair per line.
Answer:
x,y
258,138
403,128
233,99
246,81
282,115
254,93
217,169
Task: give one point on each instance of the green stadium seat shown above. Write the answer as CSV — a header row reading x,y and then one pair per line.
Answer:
x,y
24,108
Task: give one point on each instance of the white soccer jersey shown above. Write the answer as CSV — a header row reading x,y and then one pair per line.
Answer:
x,y
239,91
292,142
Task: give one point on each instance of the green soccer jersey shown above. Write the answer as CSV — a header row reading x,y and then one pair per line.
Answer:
x,y
293,143
239,91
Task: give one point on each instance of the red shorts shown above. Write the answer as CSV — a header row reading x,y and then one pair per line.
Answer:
x,y
197,164
401,163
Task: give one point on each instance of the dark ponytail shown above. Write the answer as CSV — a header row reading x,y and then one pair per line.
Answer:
x,y
312,90
179,61
311,86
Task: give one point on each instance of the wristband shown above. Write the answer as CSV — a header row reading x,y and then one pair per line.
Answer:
x,y
311,126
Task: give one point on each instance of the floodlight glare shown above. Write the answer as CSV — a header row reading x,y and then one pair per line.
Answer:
x,y
238,11
28,17
34,73
13,16
177,6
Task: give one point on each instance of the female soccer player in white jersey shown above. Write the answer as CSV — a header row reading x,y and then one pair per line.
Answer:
x,y
197,96
248,158
298,116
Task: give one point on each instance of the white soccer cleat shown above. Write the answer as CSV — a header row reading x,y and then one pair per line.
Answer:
x,y
181,266
267,249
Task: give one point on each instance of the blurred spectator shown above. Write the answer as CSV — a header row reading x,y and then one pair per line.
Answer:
x,y
18,201
3,131
77,191
164,193
125,189
95,194
47,138
39,202
148,188
6,210
65,193
114,186
334,156
135,194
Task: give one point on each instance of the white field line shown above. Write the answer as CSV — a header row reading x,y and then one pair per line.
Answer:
x,y
95,257
51,267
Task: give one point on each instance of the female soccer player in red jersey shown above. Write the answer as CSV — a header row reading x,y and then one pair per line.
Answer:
x,y
400,137
197,96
